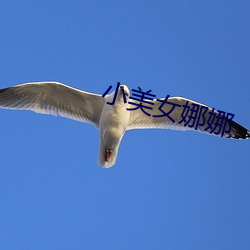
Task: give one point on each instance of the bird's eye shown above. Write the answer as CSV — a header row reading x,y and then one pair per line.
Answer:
x,y
126,93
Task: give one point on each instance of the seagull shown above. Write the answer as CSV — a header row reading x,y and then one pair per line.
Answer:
x,y
113,121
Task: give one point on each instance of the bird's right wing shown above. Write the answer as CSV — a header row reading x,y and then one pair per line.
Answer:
x,y
54,98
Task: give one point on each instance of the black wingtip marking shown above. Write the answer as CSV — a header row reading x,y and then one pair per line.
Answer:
x,y
238,131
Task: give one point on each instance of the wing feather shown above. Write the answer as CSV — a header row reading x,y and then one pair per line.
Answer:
x,y
139,120
54,98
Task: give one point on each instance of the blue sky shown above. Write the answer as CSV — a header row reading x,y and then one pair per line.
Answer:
x,y
169,189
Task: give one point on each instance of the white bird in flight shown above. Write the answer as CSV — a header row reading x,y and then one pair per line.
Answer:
x,y
112,120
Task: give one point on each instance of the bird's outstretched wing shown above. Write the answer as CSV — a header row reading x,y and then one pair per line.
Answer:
x,y
54,98
172,116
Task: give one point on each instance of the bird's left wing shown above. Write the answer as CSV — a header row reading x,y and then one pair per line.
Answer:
x,y
54,98
171,115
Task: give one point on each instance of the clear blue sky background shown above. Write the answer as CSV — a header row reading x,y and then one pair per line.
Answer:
x,y
169,189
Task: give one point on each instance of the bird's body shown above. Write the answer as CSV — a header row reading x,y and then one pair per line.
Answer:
x,y
113,125
113,114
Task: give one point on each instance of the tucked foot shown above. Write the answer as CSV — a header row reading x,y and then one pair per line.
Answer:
x,y
108,154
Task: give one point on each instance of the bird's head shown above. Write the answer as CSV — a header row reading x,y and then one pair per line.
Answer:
x,y
124,92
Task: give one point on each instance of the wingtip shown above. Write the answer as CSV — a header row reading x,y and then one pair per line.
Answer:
x,y
248,134
238,131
